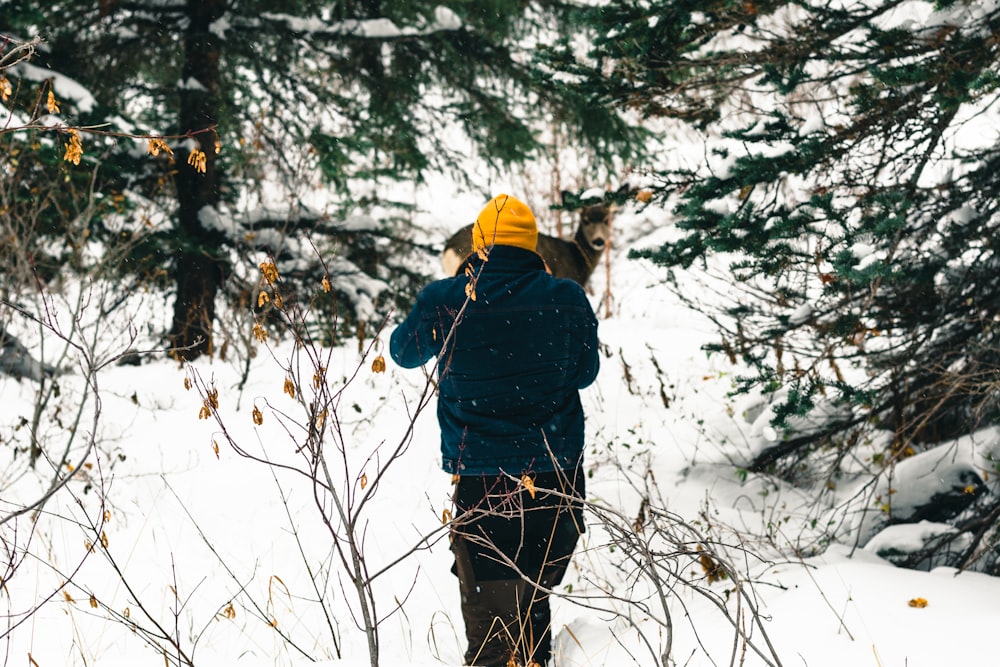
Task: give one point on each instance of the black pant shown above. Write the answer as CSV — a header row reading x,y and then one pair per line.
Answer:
x,y
510,548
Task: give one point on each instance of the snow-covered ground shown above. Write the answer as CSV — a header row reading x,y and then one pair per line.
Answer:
x,y
229,556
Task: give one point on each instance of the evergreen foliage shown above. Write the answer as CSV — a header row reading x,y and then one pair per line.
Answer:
x,y
361,93
852,182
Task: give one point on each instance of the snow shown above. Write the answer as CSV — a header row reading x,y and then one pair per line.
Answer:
x,y
866,254
194,527
907,537
66,89
812,125
219,27
195,530
593,193
210,218
911,15
445,19
191,83
218,528
801,314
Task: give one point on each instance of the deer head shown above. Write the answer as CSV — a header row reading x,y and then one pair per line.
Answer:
x,y
573,258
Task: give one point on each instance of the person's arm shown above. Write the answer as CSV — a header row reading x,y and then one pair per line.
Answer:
x,y
414,342
590,360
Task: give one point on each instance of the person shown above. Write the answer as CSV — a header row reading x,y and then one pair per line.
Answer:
x,y
514,347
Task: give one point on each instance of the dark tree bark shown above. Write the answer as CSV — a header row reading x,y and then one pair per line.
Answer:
x,y
199,260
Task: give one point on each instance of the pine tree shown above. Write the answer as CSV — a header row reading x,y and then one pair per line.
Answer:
x,y
361,92
851,184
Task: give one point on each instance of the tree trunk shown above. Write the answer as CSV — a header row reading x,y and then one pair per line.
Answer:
x,y
200,265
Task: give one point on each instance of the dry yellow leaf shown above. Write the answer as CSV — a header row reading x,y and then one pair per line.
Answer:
x,y
262,298
270,272
93,602
74,149
364,480
5,89
259,333
918,603
713,571
258,418
529,484
51,104
156,146
197,159
69,598
378,364
289,387
446,516
326,285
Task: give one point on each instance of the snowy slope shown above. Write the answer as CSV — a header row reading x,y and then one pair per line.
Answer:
x,y
211,549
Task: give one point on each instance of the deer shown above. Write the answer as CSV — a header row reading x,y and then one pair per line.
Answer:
x,y
575,259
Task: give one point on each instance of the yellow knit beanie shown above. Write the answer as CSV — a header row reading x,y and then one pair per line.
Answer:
x,y
505,221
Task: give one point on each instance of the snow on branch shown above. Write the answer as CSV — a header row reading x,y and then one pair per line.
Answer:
x,y
67,88
378,28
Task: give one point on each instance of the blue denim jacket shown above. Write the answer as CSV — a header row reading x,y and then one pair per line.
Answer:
x,y
510,374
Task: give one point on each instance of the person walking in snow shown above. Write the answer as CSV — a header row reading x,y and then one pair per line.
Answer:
x,y
514,347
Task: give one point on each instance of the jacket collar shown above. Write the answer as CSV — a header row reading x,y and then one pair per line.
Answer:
x,y
508,259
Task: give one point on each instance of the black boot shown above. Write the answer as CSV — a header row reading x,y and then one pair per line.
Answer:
x,y
537,646
493,622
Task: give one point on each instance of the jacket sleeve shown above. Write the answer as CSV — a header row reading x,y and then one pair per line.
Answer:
x,y
414,341
590,360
